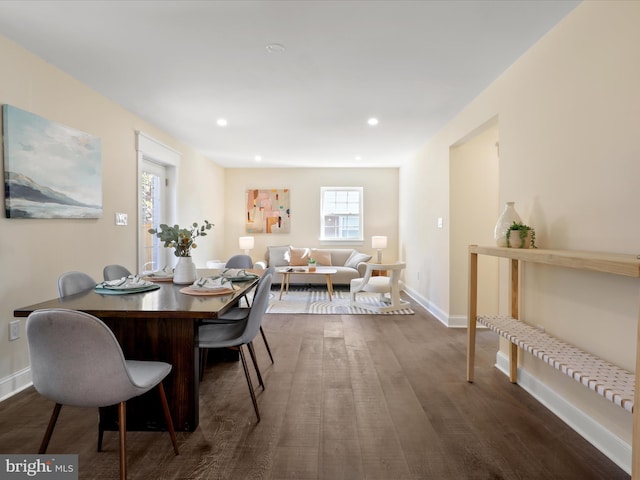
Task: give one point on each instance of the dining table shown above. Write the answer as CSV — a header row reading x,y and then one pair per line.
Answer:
x,y
159,324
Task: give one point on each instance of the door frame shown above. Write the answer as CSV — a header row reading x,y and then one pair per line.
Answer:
x,y
150,150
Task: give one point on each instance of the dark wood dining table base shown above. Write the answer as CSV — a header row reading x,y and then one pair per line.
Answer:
x,y
172,340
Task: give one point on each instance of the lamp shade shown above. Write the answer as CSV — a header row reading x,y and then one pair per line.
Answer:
x,y
378,241
246,243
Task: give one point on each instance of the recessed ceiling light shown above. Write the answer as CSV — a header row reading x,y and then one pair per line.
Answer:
x,y
275,48
221,122
373,121
257,158
358,157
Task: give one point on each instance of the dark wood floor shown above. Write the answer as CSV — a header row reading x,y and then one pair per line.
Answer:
x,y
349,397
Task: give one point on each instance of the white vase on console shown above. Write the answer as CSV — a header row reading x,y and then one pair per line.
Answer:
x,y
185,271
505,220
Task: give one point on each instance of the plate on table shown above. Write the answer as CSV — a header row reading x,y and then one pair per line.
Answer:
x,y
205,291
238,275
241,278
164,275
130,284
158,278
124,291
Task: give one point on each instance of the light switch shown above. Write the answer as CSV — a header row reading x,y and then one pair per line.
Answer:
x,y
121,219
14,330
440,222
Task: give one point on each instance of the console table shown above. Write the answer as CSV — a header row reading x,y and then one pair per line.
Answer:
x,y
610,381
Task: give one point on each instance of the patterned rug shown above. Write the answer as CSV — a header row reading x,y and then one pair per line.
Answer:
x,y
316,301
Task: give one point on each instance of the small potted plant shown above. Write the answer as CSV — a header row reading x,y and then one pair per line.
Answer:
x,y
312,265
520,235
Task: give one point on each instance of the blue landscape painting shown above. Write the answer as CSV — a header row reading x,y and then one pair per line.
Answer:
x,y
50,170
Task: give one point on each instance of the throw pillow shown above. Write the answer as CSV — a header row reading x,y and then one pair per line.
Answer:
x,y
322,257
299,256
355,258
279,256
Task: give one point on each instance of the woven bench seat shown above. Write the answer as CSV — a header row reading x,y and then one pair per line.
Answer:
x,y
610,381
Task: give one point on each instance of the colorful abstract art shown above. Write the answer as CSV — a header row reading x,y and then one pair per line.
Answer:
x,y
50,170
268,211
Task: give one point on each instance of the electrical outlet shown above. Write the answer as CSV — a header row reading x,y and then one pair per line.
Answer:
x,y
121,219
14,330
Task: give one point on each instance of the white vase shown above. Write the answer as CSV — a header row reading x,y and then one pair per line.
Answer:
x,y
185,271
505,220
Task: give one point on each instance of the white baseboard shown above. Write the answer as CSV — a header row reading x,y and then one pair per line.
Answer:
x,y
617,450
15,383
451,321
427,305
458,321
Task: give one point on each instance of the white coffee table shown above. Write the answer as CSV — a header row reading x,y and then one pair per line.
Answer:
x,y
286,271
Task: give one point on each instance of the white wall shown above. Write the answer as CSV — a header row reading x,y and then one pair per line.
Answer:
x,y
380,205
33,253
473,176
569,116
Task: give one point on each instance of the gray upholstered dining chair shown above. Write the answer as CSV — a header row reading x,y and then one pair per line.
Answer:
x,y
114,272
239,261
76,360
70,283
238,334
238,314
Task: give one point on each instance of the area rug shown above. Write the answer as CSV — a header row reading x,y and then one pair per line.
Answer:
x,y
316,301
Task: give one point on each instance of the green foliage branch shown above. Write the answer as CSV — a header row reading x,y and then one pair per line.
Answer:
x,y
182,240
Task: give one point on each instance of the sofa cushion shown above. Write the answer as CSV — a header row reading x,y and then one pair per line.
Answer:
x,y
299,256
322,257
279,256
356,258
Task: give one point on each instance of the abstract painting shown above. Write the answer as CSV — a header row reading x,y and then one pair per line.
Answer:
x,y
268,211
50,170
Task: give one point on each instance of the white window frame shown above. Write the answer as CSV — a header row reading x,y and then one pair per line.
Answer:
x,y
342,241
150,150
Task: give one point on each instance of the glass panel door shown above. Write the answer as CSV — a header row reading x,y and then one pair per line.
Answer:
x,y
153,255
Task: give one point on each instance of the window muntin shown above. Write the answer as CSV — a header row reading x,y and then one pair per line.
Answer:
x,y
341,214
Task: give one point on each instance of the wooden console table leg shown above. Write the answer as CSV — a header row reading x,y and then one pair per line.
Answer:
x,y
513,351
472,314
513,363
635,446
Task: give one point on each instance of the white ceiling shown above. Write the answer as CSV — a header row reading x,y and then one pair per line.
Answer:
x,y
181,65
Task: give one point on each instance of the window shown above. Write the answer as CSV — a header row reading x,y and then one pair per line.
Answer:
x,y
341,214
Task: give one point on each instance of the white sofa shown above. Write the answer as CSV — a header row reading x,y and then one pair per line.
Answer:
x,y
348,262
